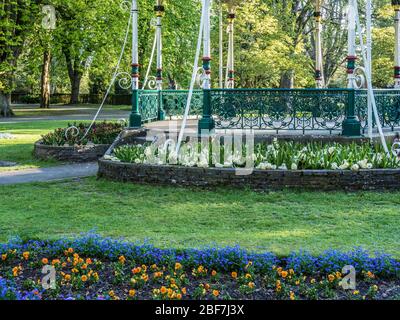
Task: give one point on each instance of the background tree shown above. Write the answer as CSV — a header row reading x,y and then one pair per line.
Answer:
x,y
274,44
293,17
16,20
85,29
334,40
383,45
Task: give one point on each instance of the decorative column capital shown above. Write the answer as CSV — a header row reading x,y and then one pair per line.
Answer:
x,y
207,65
135,70
318,16
351,64
159,10
396,5
159,74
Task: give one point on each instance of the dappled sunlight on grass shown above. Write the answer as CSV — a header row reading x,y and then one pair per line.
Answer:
x,y
20,148
177,217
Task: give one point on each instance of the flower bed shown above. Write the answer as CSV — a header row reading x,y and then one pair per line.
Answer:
x,y
274,156
275,166
70,144
74,134
92,267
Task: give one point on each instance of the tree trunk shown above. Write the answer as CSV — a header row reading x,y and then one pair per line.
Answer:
x,y
75,87
75,77
5,105
45,81
287,80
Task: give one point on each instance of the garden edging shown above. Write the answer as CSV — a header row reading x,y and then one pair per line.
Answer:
x,y
319,180
69,153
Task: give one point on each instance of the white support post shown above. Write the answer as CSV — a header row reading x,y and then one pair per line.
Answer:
x,y
351,45
221,48
396,7
207,123
159,9
135,46
319,75
135,118
369,80
207,46
230,81
369,62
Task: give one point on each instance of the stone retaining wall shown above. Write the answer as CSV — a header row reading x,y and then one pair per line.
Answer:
x,y
70,154
319,180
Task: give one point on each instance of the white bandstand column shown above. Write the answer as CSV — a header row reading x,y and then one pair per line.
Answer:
x,y
351,45
230,81
207,123
135,47
135,119
369,61
159,9
207,46
221,48
396,7
319,78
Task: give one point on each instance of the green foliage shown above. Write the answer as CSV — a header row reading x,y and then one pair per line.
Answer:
x,y
16,20
383,48
274,43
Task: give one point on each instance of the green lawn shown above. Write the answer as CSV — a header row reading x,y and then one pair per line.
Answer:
x,y
63,110
20,149
175,217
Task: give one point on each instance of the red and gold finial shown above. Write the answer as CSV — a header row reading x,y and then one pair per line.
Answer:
x,y
396,5
159,8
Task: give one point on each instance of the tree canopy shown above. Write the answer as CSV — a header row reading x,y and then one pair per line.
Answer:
x,y
274,43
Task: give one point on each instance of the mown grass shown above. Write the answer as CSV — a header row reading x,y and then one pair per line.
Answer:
x,y
176,217
20,149
63,110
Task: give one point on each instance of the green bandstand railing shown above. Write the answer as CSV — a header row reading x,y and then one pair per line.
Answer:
x,y
149,105
387,103
279,109
174,103
330,110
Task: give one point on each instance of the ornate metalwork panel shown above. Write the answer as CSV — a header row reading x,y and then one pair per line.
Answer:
x,y
274,109
174,103
148,105
387,103
279,109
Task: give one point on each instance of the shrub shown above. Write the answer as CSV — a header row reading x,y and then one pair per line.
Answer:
x,y
100,133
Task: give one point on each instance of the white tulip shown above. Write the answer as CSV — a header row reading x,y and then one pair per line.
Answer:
x,y
363,164
148,151
344,166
